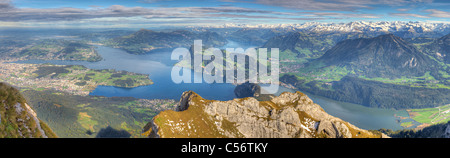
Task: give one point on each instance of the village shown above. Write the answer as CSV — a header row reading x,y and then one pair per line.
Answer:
x,y
23,76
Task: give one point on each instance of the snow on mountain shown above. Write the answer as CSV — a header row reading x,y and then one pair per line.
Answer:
x,y
358,26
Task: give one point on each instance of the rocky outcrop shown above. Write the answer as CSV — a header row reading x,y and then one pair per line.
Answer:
x,y
290,115
251,90
247,90
17,118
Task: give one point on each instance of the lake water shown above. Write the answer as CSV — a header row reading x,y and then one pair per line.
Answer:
x,y
158,65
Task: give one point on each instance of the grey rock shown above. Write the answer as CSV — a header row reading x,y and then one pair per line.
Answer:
x,y
290,115
447,132
18,108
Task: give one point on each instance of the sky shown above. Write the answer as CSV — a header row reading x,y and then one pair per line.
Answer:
x,y
163,13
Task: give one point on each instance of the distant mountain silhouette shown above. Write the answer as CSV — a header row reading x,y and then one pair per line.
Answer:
x,y
300,43
145,40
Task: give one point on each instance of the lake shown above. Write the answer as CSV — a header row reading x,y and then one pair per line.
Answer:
x,y
158,65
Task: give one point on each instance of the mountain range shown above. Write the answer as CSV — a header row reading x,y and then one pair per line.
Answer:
x,y
254,37
143,41
386,56
399,28
385,71
302,44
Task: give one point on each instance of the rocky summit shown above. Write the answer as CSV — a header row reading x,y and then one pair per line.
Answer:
x,y
290,115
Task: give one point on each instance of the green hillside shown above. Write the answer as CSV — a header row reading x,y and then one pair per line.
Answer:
x,y
17,119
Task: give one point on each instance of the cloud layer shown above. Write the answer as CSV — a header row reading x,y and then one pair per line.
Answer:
x,y
292,11
333,5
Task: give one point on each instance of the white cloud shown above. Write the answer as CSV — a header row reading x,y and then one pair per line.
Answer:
x,y
152,1
5,4
408,15
345,15
438,13
402,10
14,14
118,14
336,5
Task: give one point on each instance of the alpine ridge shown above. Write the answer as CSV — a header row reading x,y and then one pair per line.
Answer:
x,y
290,115
383,56
144,40
300,43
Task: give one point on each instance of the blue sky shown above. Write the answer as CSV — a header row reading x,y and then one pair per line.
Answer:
x,y
155,13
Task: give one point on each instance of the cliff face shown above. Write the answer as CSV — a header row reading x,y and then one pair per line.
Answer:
x,y
17,118
291,115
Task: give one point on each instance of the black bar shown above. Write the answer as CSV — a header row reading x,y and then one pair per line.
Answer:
x,y
274,146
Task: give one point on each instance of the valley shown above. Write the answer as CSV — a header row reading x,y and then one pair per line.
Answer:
x,y
429,116
75,116
158,66
60,96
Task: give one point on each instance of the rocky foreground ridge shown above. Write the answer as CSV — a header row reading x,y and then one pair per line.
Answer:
x,y
17,118
290,115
